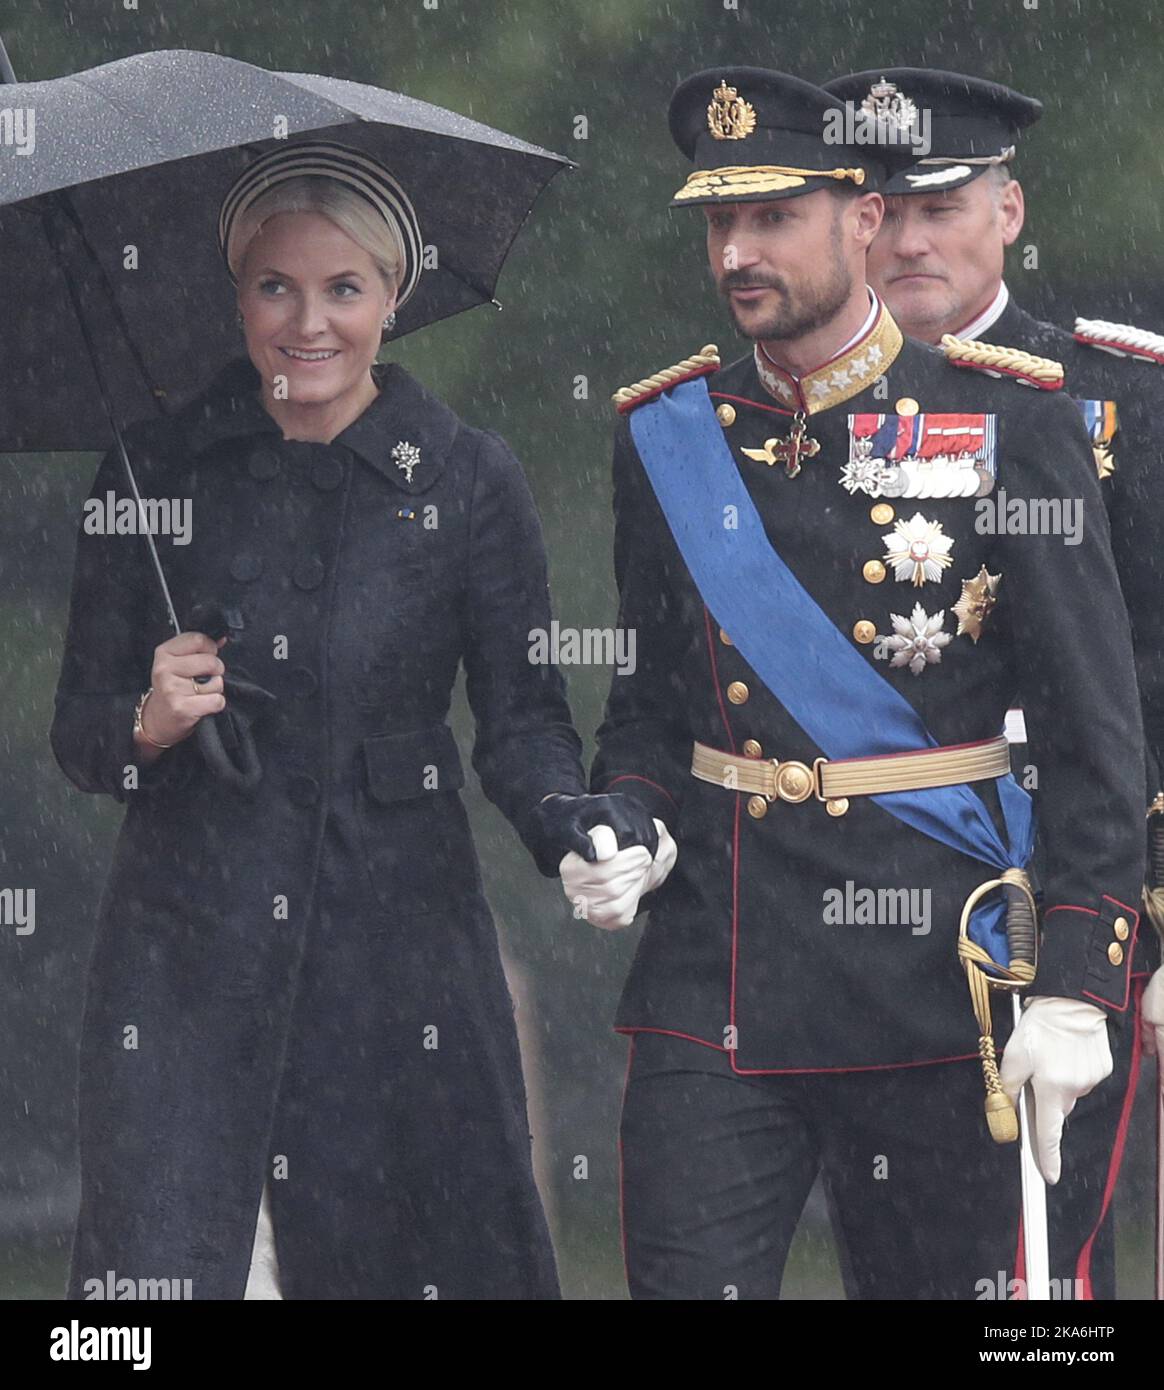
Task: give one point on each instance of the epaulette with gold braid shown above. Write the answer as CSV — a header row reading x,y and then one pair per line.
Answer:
x,y
995,360
1120,339
705,360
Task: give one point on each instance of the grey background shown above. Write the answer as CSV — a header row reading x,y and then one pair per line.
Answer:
x,y
604,282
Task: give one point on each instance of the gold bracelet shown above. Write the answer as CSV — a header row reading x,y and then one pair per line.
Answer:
x,y
139,728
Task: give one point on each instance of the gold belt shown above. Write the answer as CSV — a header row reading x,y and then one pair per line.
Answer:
x,y
834,780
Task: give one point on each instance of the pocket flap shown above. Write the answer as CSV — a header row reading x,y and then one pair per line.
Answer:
x,y
401,766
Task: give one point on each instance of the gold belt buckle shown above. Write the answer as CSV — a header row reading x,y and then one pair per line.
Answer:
x,y
796,781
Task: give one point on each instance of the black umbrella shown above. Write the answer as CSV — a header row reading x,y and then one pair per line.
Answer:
x,y
109,201
146,148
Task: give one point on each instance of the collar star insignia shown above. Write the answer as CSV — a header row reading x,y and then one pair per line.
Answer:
x,y
840,378
918,550
406,456
979,595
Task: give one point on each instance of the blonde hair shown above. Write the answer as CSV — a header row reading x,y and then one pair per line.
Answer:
x,y
334,200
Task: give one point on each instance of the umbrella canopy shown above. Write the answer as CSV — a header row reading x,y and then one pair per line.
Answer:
x,y
124,166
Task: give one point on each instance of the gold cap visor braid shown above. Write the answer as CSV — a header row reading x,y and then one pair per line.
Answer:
x,y
733,179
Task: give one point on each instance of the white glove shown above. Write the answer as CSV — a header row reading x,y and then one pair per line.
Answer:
x,y
607,892
1060,1049
1152,1016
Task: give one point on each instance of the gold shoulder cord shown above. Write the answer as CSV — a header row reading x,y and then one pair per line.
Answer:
x,y
994,357
706,357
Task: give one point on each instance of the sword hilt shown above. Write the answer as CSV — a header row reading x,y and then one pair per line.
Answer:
x,y
1021,925
1022,944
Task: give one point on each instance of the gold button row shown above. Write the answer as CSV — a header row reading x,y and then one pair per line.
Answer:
x,y
874,571
1115,952
758,806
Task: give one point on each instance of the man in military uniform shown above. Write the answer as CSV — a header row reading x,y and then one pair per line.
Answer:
x,y
828,635
937,262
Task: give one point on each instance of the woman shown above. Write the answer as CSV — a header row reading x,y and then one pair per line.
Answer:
x,y
301,984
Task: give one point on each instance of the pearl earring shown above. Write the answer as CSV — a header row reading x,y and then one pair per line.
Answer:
x,y
390,321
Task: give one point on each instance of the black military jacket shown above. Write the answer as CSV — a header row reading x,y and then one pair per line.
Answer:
x,y
1131,487
737,949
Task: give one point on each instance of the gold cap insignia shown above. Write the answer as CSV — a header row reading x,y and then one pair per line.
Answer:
x,y
730,117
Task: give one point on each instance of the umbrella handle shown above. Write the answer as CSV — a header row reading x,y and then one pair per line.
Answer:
x,y
225,739
245,774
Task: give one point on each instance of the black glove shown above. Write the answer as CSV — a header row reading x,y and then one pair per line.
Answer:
x,y
225,739
561,823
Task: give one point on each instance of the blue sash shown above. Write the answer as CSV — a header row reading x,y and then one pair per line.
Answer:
x,y
844,706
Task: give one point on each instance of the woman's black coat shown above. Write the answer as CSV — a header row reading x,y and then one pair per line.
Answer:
x,y
305,984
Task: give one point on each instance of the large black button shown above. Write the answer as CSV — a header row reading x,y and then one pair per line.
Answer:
x,y
303,790
327,474
246,566
308,574
263,465
304,681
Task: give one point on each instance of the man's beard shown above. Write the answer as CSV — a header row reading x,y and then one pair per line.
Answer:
x,y
811,308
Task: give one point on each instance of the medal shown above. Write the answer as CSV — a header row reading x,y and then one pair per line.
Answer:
x,y
913,454
788,451
917,641
917,550
979,595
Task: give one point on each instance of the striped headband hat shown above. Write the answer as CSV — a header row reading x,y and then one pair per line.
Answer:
x,y
362,174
